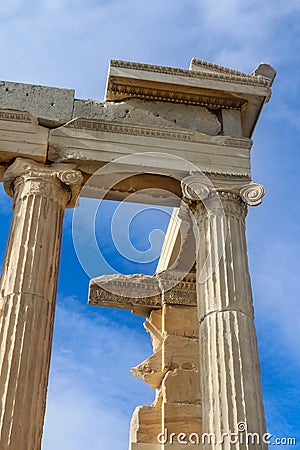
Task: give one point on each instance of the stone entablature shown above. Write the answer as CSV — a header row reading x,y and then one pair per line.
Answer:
x,y
124,291
214,135
102,142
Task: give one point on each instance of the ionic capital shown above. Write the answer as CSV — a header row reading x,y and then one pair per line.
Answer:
x,y
59,181
252,194
229,198
233,205
195,188
206,201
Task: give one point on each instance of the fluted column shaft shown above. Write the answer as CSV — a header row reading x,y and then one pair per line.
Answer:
x,y
231,386
27,297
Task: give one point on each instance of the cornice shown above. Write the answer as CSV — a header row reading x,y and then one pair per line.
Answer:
x,y
228,76
216,67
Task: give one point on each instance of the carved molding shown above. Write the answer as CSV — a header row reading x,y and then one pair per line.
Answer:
x,y
226,175
15,116
149,93
99,296
240,78
216,67
128,291
252,194
171,134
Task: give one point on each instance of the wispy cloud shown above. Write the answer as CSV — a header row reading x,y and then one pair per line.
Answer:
x,y
275,275
92,394
241,32
80,37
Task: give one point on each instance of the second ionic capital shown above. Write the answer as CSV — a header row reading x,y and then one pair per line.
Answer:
x,y
195,187
252,194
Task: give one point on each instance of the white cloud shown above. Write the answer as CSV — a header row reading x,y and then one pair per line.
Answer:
x,y
243,34
92,394
77,421
276,278
70,43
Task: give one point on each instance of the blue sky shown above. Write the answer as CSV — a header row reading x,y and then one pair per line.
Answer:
x,y
68,43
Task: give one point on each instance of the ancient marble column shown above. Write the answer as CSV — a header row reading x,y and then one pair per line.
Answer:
x,y
27,295
230,373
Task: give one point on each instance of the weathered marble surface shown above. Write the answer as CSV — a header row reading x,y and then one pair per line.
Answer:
x,y
154,113
51,105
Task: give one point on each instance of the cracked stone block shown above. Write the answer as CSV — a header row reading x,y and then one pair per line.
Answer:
x,y
145,424
53,106
154,113
181,352
181,386
232,124
182,418
181,320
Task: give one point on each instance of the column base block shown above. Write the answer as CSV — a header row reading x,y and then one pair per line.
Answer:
x,y
145,426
